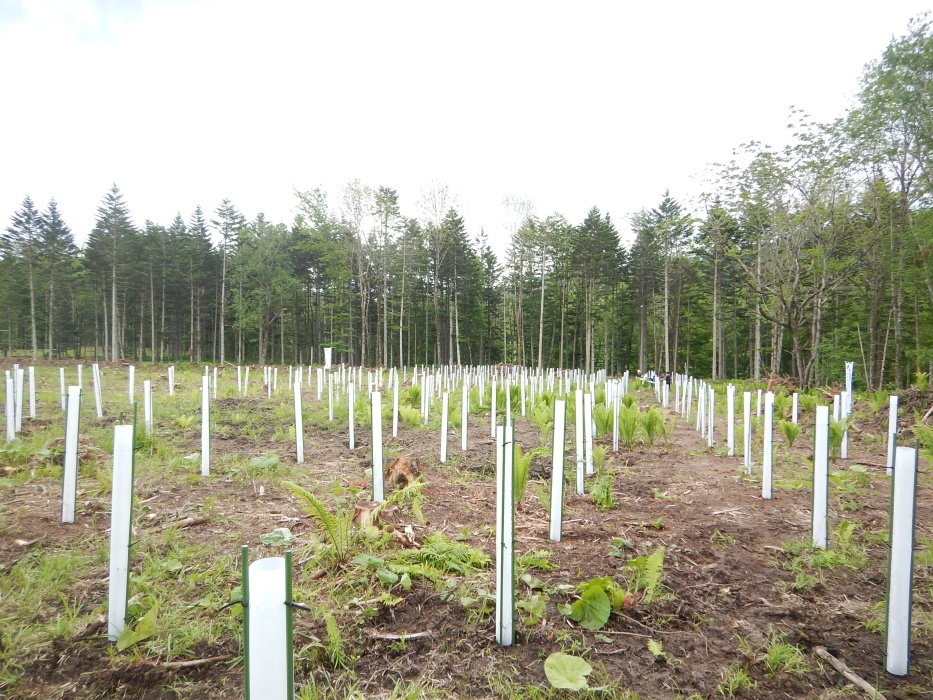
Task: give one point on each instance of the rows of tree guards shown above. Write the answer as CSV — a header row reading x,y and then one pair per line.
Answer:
x,y
798,258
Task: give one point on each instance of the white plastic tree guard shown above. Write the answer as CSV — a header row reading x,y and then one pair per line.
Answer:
x,y
98,392
328,352
19,379
464,413
794,410
747,430
710,417
557,469
492,410
132,384
578,437
730,423
376,408
267,628
147,406
121,510
901,562
821,477
70,469
588,432
171,380
205,426
892,432
61,387
445,414
351,418
395,407
10,407
32,392
767,460
330,398
299,424
505,540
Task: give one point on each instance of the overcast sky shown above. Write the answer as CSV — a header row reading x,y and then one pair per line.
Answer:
x,y
568,104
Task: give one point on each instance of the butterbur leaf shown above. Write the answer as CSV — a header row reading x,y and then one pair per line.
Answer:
x,y
265,462
279,537
387,576
567,672
592,609
144,629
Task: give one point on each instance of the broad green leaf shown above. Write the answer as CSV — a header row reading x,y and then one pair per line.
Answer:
x,y
264,462
387,576
367,561
566,671
592,609
279,537
144,629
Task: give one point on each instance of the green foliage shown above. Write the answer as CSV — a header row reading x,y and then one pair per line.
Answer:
x,y
543,417
567,672
602,492
599,456
266,463
410,417
441,555
837,430
807,403
790,430
924,435
656,648
782,405
337,527
534,559
142,630
521,470
646,574
781,656
629,401
602,417
534,608
628,423
411,496
592,608
735,678
921,380
653,423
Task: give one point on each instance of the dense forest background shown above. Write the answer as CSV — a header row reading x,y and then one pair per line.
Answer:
x,y
801,258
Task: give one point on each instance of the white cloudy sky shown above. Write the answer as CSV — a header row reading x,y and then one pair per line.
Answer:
x,y
570,104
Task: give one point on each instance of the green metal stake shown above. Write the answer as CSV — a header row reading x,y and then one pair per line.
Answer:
x,y
289,615
244,602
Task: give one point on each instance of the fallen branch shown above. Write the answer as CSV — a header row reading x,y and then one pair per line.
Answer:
x,y
186,522
389,637
849,675
191,663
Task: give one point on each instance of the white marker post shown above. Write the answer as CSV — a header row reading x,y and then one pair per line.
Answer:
x,y
578,437
299,424
19,380
267,614
121,511
351,403
767,456
588,432
205,426
61,386
492,410
147,406
892,433
376,407
901,562
171,380
70,470
10,408
730,425
747,429
794,410
98,393
395,407
821,477
846,402
445,411
505,552
711,417
32,392
557,470
132,384
464,415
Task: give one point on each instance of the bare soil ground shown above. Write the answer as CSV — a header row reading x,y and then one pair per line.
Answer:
x,y
728,570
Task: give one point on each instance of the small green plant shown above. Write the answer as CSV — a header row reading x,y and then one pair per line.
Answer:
x,y
921,380
534,608
337,526
599,456
602,492
735,678
566,672
628,401
628,422
837,429
542,495
656,647
721,540
597,599
781,656
653,424
790,430
646,574
543,417
521,469
534,559
602,417
657,523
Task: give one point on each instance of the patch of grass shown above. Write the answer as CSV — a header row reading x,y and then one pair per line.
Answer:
x,y
781,656
735,679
